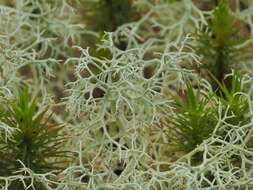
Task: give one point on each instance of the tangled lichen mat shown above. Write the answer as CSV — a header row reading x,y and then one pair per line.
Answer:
x,y
126,95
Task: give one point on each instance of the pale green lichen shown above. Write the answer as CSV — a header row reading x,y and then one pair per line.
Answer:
x,y
116,101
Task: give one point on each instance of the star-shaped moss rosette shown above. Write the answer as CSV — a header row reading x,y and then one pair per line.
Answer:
x,y
194,120
36,142
234,100
217,44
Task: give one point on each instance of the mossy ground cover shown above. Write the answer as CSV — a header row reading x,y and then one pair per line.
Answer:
x,y
126,94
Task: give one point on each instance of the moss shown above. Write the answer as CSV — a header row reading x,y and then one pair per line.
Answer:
x,y
194,120
216,45
35,142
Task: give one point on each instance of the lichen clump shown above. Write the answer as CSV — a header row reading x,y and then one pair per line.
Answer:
x,y
126,94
